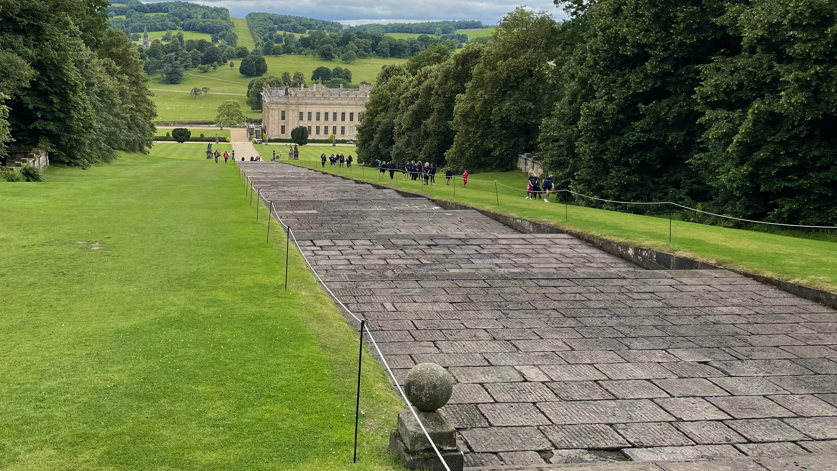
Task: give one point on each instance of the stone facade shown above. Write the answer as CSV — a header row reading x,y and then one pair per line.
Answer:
x,y
324,111
22,157
530,163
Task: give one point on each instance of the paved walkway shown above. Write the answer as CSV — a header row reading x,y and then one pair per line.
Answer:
x,y
562,353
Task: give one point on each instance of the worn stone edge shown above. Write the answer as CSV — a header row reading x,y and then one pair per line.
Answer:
x,y
662,465
649,259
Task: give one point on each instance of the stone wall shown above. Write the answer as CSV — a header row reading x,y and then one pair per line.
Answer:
x,y
530,163
19,158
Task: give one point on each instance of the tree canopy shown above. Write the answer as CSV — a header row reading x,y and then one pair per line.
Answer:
x,y
73,85
729,105
229,114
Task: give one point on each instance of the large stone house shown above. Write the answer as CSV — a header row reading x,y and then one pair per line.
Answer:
x,y
324,111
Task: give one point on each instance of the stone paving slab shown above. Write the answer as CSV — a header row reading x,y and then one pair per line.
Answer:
x,y
562,353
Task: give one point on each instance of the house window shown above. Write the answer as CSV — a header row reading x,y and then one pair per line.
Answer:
x,y
309,130
300,116
351,116
283,115
335,116
283,128
318,130
309,116
343,116
334,130
326,115
342,130
318,115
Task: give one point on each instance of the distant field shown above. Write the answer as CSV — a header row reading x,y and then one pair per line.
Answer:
x,y
244,37
297,35
180,106
405,35
477,33
152,35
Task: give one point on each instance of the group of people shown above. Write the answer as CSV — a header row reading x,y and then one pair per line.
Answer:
x,y
416,170
537,188
338,160
226,156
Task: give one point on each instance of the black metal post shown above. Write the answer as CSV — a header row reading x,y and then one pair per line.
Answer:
x,y
287,251
496,194
258,200
669,225
454,186
251,195
357,403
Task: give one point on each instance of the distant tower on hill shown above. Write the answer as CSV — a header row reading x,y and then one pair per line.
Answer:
x,y
145,42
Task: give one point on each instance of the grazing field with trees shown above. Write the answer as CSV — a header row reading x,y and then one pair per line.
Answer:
x,y
717,105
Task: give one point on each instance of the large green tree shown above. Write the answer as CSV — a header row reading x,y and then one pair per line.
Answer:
x,y
630,98
375,137
770,111
512,89
422,125
229,113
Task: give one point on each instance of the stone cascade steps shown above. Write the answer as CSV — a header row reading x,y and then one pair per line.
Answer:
x,y
561,352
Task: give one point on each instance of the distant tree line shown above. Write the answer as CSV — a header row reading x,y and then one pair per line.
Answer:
x,y
171,16
71,84
428,27
727,105
262,25
349,46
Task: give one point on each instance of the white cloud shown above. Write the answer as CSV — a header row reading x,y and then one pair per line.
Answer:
x,y
488,11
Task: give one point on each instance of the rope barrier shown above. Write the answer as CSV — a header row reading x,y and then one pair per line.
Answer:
x,y
371,337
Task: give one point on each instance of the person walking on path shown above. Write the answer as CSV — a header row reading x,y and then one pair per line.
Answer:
x,y
322,159
426,173
448,175
548,186
226,158
349,161
464,179
391,169
342,160
216,157
406,170
383,169
432,174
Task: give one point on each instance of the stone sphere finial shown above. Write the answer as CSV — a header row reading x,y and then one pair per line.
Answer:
x,y
428,386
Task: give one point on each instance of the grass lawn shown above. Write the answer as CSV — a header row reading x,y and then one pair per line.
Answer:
x,y
477,33
802,260
244,37
406,35
173,106
145,327
196,132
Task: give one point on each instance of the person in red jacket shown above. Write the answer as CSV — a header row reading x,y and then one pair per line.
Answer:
x,y
464,178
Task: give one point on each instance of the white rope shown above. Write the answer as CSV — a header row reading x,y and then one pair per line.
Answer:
x,y
320,279
368,332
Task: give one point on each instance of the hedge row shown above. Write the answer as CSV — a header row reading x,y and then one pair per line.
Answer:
x,y
193,139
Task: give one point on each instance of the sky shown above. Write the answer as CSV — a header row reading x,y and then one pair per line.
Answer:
x,y
383,11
